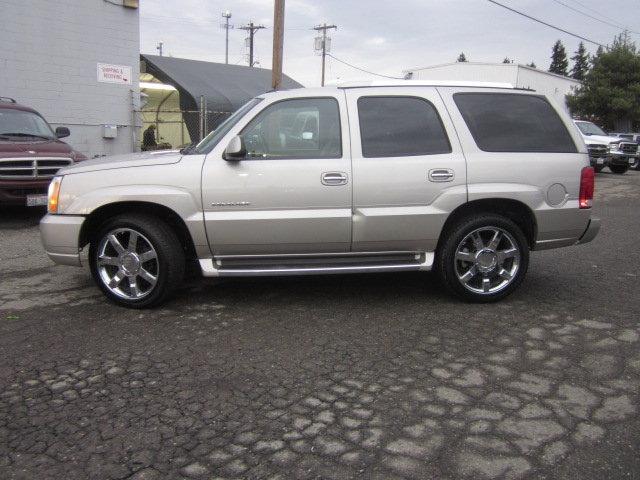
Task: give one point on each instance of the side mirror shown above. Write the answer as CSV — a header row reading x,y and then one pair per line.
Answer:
x,y
62,132
236,149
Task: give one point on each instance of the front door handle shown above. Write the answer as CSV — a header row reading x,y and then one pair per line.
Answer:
x,y
441,175
334,178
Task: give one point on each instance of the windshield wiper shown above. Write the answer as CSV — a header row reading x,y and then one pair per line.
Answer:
x,y
9,134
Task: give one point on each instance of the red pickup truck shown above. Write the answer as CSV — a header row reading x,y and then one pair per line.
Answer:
x,y
30,154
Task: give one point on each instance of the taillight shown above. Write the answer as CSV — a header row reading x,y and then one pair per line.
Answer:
x,y
587,185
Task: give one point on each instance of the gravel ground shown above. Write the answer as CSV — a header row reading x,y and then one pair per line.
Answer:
x,y
379,376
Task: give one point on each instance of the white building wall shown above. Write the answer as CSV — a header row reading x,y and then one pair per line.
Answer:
x,y
48,61
555,87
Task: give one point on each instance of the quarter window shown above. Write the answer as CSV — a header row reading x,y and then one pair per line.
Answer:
x,y
299,128
400,127
508,122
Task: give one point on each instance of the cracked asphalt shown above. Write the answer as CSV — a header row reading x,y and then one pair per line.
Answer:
x,y
380,376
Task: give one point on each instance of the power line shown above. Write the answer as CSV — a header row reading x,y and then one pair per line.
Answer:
x,y
363,70
547,24
616,26
594,11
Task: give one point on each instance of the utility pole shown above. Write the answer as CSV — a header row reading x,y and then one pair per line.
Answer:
x,y
323,44
226,15
278,43
252,29
159,48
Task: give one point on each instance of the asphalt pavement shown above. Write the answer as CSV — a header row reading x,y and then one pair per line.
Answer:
x,y
336,377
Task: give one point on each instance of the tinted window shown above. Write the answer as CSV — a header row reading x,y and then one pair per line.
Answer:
x,y
300,128
400,127
507,122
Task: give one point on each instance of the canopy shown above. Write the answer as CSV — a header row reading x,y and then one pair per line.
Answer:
x,y
225,87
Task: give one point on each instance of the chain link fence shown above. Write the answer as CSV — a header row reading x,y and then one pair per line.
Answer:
x,y
175,129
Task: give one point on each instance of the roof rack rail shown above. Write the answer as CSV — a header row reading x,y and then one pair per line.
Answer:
x,y
7,100
423,83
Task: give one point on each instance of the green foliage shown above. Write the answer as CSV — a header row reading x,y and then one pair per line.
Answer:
x,y
559,62
507,60
580,63
532,65
462,58
610,91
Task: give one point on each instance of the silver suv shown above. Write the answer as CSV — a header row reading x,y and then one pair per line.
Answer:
x,y
371,177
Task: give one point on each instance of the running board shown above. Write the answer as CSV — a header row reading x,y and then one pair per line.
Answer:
x,y
320,264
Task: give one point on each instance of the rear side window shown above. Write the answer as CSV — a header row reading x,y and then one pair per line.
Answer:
x,y
400,127
507,122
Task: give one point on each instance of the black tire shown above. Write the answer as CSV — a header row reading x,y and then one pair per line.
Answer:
x,y
598,168
619,169
169,261
446,262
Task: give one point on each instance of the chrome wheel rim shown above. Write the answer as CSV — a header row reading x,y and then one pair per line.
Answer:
x,y
127,264
487,260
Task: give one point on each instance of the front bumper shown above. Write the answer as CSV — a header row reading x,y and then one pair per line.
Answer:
x,y
60,235
590,233
622,159
14,192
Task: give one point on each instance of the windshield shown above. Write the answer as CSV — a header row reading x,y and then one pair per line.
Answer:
x,y
18,123
589,128
209,142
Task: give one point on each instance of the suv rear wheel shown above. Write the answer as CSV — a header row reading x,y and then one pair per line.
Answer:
x,y
136,260
483,259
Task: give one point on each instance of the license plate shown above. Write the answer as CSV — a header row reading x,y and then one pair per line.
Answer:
x,y
36,200
600,161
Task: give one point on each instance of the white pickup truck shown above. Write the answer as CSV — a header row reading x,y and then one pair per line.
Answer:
x,y
617,153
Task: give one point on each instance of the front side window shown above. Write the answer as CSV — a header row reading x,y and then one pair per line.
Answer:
x,y
209,142
297,128
511,122
400,127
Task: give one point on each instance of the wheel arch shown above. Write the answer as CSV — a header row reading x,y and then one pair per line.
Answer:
x,y
516,211
103,213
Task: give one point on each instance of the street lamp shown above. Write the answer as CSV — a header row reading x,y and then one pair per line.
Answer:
x,y
226,15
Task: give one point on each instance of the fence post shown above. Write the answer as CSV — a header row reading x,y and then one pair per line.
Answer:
x,y
201,119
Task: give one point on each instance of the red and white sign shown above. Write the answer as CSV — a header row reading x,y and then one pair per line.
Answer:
x,y
114,73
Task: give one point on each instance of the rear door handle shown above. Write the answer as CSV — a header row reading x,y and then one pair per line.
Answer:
x,y
334,178
441,175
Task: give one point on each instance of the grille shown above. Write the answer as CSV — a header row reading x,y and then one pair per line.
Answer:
x,y
629,147
598,151
31,168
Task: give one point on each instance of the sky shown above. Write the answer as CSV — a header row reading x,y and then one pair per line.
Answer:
x,y
382,36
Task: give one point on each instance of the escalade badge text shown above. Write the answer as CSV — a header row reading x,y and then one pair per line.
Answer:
x,y
230,204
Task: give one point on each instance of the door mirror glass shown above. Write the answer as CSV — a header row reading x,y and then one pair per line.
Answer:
x,y
235,150
62,132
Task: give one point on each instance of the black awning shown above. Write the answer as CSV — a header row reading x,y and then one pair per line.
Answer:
x,y
225,87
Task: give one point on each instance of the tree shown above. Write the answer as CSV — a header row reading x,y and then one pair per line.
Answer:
x,y
507,60
580,63
559,62
462,58
532,65
610,91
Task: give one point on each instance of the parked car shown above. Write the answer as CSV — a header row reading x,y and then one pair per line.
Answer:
x,y
620,153
635,138
31,153
461,179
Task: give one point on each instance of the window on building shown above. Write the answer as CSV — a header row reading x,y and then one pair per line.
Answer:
x,y
511,122
400,127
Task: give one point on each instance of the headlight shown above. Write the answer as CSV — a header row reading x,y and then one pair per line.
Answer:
x,y
54,194
613,146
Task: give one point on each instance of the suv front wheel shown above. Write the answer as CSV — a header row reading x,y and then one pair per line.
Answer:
x,y
136,260
483,259
620,169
